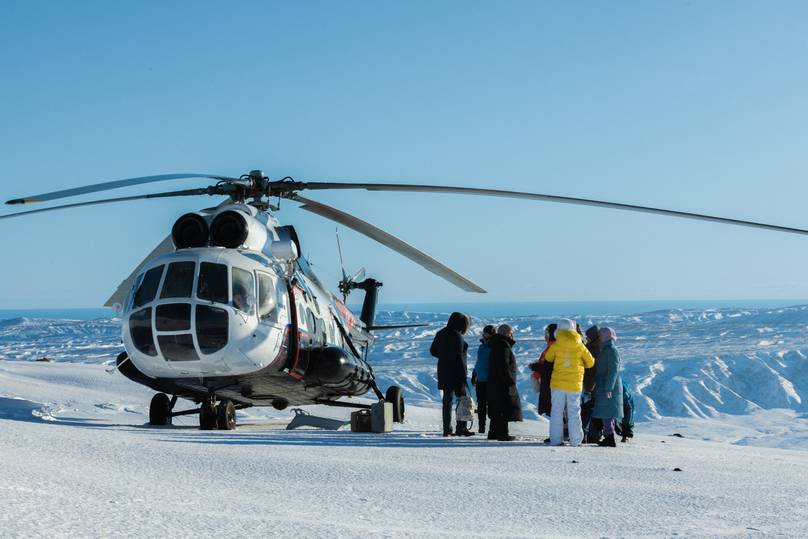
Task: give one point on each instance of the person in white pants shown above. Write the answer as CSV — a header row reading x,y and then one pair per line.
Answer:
x,y
571,402
570,358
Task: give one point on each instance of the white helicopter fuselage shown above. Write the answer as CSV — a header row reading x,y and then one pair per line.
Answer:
x,y
212,312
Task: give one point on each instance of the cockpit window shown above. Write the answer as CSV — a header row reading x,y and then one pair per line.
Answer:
x,y
243,290
178,347
148,287
267,300
179,280
140,327
212,284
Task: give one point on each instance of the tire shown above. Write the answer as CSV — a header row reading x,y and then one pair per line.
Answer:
x,y
226,415
207,415
160,410
395,396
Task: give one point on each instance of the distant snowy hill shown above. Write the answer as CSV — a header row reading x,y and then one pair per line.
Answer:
x,y
716,365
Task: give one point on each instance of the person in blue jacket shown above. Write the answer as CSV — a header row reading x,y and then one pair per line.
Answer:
x,y
479,376
608,386
626,426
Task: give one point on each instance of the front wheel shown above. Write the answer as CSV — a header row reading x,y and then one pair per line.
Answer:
x,y
226,415
160,410
395,396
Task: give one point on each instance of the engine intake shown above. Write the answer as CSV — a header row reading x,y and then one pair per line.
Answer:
x,y
229,229
190,230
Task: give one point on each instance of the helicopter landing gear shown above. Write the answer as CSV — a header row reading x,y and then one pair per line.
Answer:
x,y
160,410
207,414
395,396
226,415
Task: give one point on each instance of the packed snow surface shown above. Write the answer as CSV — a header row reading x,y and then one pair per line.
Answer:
x,y
77,458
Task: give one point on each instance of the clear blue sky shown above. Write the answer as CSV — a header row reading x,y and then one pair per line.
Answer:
x,y
699,106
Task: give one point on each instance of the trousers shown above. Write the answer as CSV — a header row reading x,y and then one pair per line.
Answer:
x,y
569,402
482,403
448,398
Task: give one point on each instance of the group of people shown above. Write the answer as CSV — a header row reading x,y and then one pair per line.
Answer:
x,y
577,378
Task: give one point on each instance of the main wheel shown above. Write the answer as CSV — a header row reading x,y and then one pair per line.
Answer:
x,y
226,415
207,415
160,410
395,396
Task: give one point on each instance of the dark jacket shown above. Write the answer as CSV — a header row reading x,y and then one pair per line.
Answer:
x,y
450,349
593,345
608,381
503,398
545,399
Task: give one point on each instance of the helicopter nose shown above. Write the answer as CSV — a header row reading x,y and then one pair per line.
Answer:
x,y
180,332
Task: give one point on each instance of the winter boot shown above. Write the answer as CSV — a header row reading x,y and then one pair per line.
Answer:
x,y
624,439
481,421
607,441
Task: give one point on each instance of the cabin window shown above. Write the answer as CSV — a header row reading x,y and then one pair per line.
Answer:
x,y
267,297
177,347
173,317
211,328
243,290
148,287
179,280
212,285
140,328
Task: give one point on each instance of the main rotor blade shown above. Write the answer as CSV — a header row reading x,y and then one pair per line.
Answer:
x,y
187,192
398,187
106,186
388,240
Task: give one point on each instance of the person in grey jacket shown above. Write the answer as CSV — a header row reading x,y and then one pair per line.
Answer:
x,y
608,386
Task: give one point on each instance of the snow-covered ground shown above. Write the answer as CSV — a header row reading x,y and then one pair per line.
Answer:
x,y
76,458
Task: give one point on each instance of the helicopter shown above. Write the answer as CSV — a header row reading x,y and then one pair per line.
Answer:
x,y
226,312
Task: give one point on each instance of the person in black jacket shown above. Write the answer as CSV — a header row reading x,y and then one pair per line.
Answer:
x,y
503,398
546,369
451,350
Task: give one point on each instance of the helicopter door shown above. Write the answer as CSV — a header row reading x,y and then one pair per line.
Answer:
x,y
300,332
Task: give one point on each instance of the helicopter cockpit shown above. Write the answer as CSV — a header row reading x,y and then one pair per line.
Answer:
x,y
187,310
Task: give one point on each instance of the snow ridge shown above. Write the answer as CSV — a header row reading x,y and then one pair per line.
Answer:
x,y
679,363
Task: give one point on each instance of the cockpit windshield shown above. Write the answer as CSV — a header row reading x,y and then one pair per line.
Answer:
x,y
212,284
147,288
179,280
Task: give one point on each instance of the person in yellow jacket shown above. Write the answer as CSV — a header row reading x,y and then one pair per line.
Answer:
x,y
569,357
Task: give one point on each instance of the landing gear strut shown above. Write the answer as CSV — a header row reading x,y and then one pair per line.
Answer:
x,y
207,414
212,416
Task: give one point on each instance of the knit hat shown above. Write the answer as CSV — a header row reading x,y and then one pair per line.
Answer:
x,y
592,333
567,324
607,334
